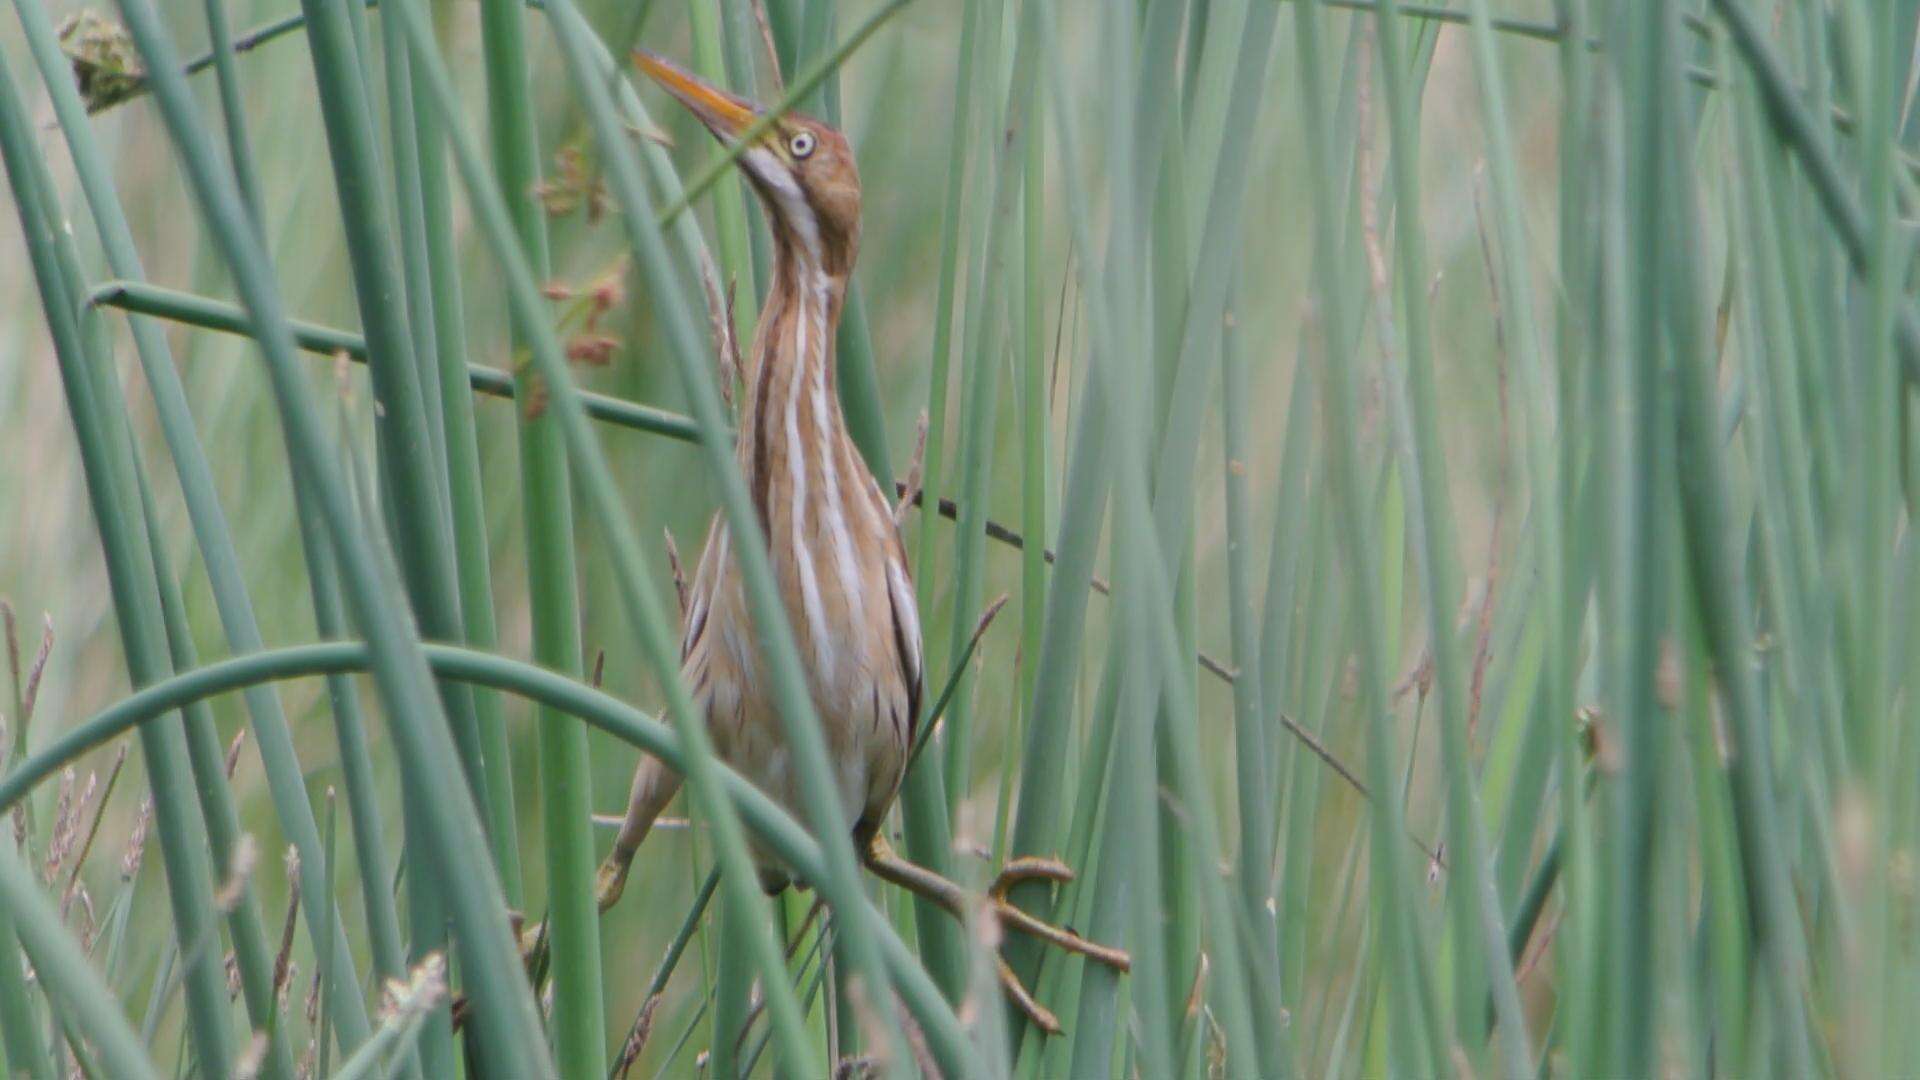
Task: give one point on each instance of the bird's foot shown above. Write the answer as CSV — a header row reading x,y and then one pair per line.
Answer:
x,y
917,879
611,880
1036,868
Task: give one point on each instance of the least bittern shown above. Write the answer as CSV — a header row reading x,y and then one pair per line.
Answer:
x,y
831,535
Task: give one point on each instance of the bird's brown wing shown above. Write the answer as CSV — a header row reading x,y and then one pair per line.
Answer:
x,y
905,615
706,581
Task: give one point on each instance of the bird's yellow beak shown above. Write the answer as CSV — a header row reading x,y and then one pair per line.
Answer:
x,y
726,115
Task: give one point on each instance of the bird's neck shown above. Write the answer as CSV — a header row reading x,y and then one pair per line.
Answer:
x,y
792,426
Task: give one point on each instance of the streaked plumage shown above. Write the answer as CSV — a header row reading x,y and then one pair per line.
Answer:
x,y
831,536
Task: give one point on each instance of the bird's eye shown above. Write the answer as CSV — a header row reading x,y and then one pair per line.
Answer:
x,y
801,144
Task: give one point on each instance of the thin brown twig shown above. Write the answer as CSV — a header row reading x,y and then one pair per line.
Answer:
x,y
26,691
283,962
1319,749
995,531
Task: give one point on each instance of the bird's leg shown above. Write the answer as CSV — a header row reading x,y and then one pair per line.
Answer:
x,y
888,865
653,787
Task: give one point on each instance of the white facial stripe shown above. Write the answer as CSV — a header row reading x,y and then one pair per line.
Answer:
x,y
786,190
766,166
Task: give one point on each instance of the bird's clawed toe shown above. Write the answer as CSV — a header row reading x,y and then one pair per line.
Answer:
x,y
1016,991
1029,868
609,882
1036,868
882,860
1033,868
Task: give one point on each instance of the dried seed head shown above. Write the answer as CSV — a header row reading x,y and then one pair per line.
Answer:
x,y
607,291
420,991
60,841
572,185
105,65
594,350
283,967
67,826
280,989
637,1038
137,841
233,751
35,673
241,863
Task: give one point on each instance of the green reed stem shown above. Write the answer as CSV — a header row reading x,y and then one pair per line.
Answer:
x,y
430,764
66,972
285,779
566,786
639,596
1473,897
1412,1010
205,757
228,318
448,374
108,465
770,824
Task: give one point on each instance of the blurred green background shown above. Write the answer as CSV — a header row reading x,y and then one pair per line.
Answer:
x,y
897,92
1681,254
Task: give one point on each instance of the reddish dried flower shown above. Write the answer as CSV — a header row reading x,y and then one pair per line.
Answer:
x,y
594,349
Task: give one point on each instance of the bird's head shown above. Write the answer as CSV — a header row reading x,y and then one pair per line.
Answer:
x,y
802,169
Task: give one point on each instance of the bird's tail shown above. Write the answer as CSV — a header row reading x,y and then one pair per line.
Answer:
x,y
653,787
